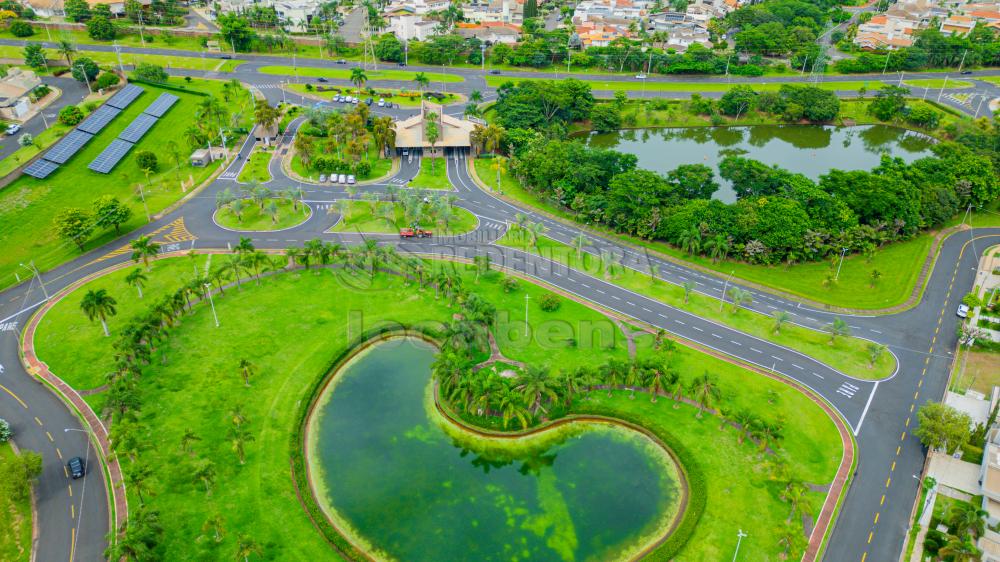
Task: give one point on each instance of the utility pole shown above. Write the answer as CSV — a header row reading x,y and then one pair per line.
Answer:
x,y
725,286
83,71
482,56
982,98
121,68
843,252
208,290
34,270
739,538
406,52
142,38
886,66
963,61
943,86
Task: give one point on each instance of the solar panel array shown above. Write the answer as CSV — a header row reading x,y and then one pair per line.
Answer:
x,y
67,146
125,96
161,105
41,168
110,156
137,128
99,119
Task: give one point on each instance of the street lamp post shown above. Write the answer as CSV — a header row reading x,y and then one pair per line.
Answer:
x,y
722,302
526,299
208,289
739,538
83,71
34,270
843,252
83,491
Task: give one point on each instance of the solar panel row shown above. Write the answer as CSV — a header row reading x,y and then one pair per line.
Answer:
x,y
67,146
110,156
99,119
161,105
125,96
137,128
40,169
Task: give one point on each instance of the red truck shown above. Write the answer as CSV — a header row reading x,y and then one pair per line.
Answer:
x,y
415,233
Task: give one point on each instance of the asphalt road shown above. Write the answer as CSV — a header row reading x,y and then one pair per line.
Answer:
x,y
73,93
874,515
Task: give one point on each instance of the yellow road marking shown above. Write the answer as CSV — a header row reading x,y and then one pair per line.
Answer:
x,y
70,486
863,556
38,421
911,407
920,383
58,452
903,436
927,361
876,518
16,397
924,372
50,437
915,394
933,340
893,468
72,511
907,422
66,471
936,330
870,533
898,449
882,502
72,543
888,481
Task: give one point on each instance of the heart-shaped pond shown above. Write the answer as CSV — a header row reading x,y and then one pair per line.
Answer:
x,y
403,483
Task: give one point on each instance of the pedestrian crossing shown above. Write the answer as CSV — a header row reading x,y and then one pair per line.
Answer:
x,y
8,327
230,174
847,389
268,86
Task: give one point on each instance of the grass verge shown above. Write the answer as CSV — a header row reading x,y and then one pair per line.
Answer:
x,y
388,218
256,167
345,74
15,520
433,174
257,219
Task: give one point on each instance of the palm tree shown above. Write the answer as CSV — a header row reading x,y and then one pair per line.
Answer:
x,y
476,96
431,132
688,287
204,472
136,278
838,328
358,77
99,304
143,248
874,277
656,384
967,518
690,240
189,437
245,546
245,246
675,387
65,48
215,525
579,243
246,370
511,405
239,437
536,383
138,476
739,297
960,549
422,81
718,246
780,317
705,390
875,351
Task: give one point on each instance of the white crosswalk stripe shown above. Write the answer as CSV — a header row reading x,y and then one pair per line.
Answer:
x,y
847,389
8,327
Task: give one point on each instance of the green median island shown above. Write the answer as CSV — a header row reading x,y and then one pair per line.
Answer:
x,y
411,410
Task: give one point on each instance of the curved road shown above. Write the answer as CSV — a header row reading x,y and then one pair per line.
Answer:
x,y
876,510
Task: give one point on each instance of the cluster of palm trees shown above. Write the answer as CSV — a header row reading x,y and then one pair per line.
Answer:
x,y
348,135
965,522
212,116
263,198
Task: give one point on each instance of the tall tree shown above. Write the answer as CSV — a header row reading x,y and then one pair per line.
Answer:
x,y
100,305
143,248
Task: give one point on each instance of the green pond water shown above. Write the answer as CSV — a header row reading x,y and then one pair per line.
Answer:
x,y
811,150
398,483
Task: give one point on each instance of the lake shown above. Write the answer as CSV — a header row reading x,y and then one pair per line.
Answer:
x,y
811,150
404,484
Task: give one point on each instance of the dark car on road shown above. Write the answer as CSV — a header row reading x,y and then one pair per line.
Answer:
x,y
494,71
341,61
321,79
76,467
966,72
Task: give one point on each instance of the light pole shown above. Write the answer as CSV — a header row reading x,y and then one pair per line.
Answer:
x,y
739,538
843,251
722,302
482,56
208,289
943,86
34,270
83,71
121,68
83,491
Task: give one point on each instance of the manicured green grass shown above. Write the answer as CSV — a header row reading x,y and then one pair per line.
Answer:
x,y
433,174
44,140
256,167
637,85
28,205
345,74
110,59
255,219
193,382
849,355
15,521
359,218
388,94
937,83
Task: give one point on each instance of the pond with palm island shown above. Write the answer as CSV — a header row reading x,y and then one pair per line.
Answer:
x,y
403,483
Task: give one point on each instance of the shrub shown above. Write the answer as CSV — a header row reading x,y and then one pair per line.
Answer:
x,y
100,28
146,160
85,69
549,302
107,80
21,29
362,169
150,73
509,284
5,432
70,115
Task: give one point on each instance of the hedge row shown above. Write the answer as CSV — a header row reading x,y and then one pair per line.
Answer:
x,y
167,87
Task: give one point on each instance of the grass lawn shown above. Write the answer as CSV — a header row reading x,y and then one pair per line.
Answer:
x,y
15,520
937,83
389,94
255,219
380,166
899,263
193,375
256,167
637,86
110,59
345,74
846,354
359,218
28,205
976,370
44,140
433,174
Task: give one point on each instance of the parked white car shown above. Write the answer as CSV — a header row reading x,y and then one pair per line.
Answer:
x,y
963,311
